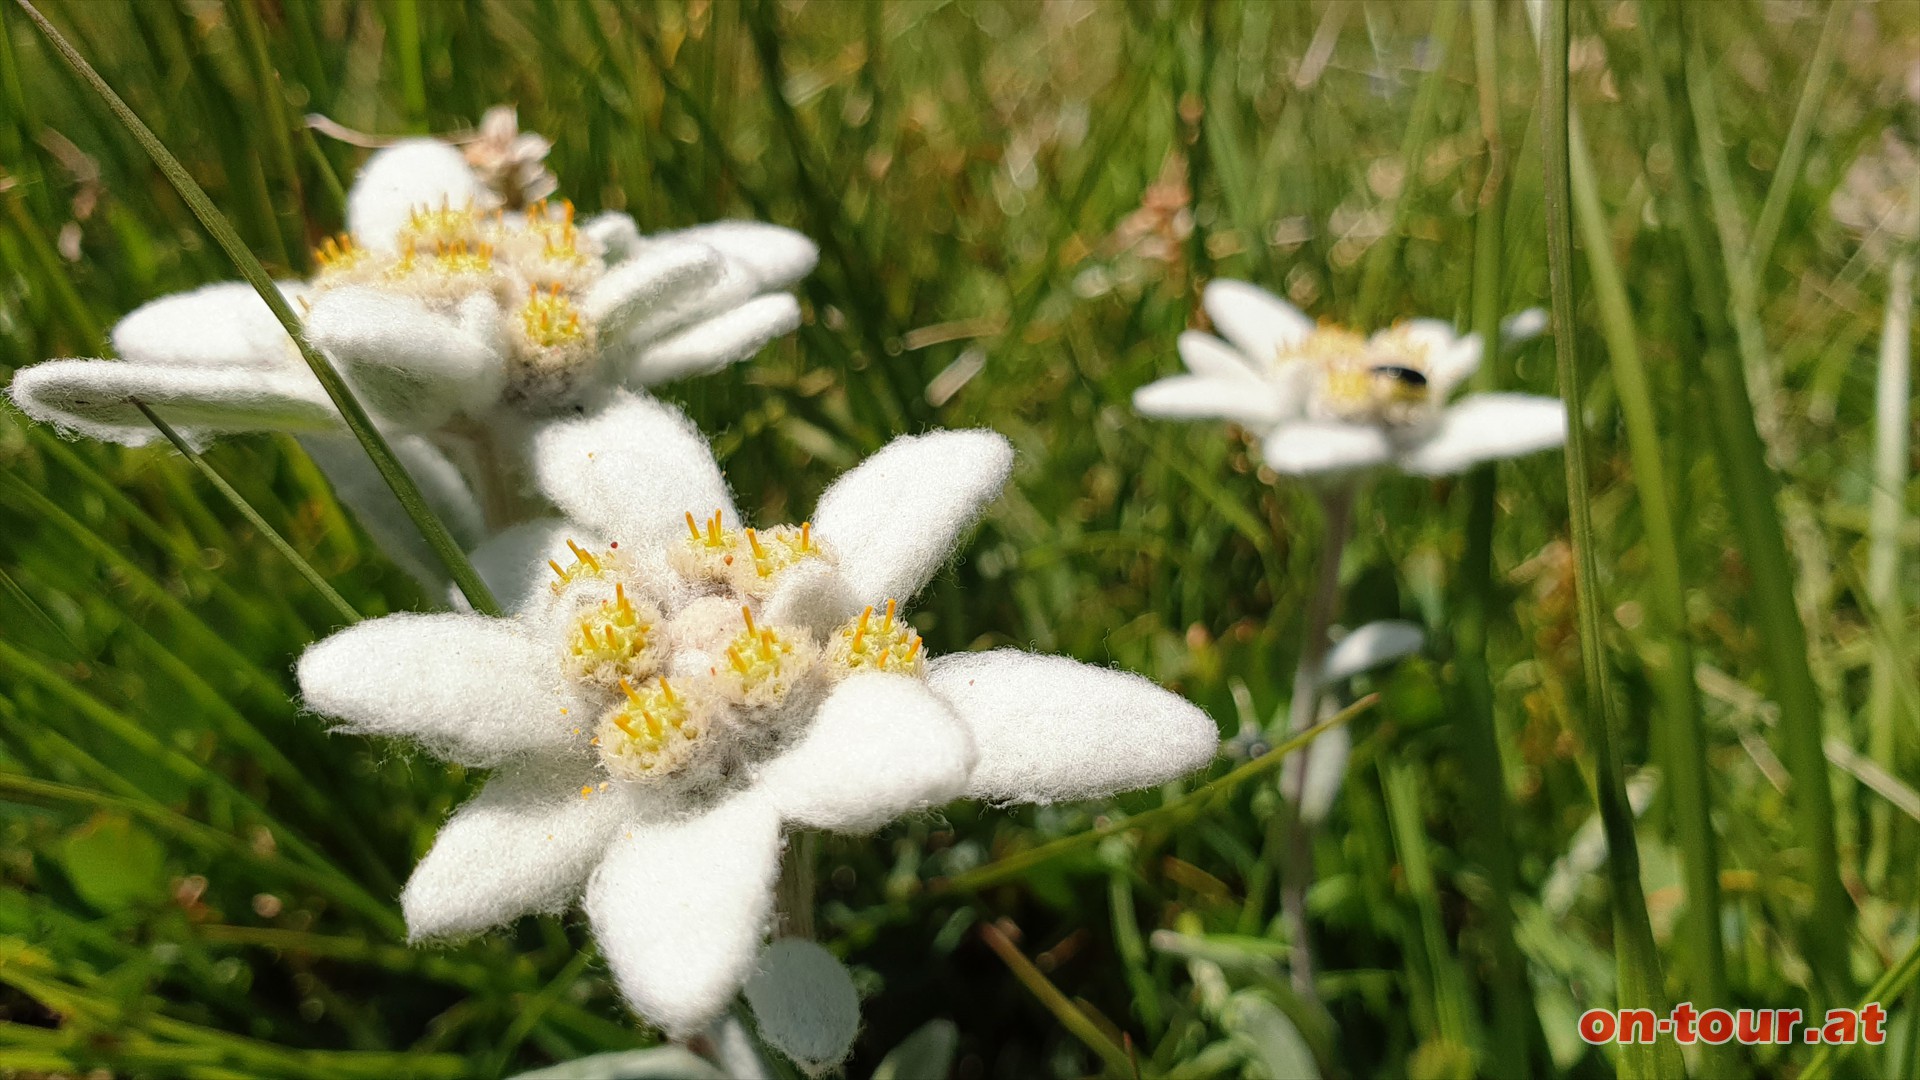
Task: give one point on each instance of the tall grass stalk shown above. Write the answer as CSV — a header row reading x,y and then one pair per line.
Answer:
x,y
1640,983
1513,1022
432,529
1669,650
1752,490
239,503
1892,428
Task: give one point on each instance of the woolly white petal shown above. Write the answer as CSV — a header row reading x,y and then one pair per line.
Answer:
x,y
1261,324
1370,646
679,910
813,596
1047,728
656,291
95,398
881,746
1326,769
513,562
895,517
412,366
776,257
710,345
224,325
1488,427
631,471
1205,354
615,233
525,844
470,689
1210,397
361,488
406,175
1309,448
1523,326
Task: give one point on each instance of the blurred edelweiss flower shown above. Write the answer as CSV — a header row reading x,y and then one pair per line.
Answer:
x,y
440,303
673,690
1876,199
509,161
1330,400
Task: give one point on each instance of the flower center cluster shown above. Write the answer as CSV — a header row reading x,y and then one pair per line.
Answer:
x,y
749,561
536,265
690,681
1383,380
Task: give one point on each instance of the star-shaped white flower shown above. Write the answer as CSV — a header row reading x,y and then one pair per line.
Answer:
x,y
674,691
1331,401
440,307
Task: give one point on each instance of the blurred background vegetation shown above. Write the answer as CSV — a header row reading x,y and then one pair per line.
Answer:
x,y
1017,205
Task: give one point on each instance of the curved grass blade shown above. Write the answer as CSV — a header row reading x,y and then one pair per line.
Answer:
x,y
432,529
1640,979
240,503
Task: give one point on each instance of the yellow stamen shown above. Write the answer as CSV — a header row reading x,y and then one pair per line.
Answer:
x,y
691,527
747,614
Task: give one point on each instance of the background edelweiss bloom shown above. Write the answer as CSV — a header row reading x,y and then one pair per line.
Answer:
x,y
839,723
438,304
1332,401
511,162
1875,201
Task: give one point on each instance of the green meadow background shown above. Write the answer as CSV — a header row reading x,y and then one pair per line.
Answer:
x,y
1017,206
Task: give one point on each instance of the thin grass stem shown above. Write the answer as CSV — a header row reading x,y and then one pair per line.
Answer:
x,y
1752,492
1637,962
1892,427
239,502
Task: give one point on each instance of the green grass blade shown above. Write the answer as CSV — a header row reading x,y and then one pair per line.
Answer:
x,y
239,502
1638,963
1892,426
1670,654
1793,153
431,528
1752,490
1513,1024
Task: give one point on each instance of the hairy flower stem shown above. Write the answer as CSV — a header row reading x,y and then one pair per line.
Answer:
x,y
794,895
1891,432
1297,875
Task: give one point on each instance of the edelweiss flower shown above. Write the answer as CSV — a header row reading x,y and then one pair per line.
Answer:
x,y
440,306
511,162
1330,400
675,690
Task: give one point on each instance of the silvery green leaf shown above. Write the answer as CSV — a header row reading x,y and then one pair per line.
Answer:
x,y
1274,1046
804,1004
653,1063
928,1052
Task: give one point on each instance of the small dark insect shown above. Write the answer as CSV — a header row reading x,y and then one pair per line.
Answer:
x,y
1406,376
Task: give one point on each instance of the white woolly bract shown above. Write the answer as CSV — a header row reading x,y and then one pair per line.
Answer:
x,y
1370,646
525,844
96,398
895,517
714,343
224,325
471,689
1258,323
1047,729
881,746
804,1004
775,257
1317,447
1203,397
1488,427
679,910
407,175
411,365
661,288
633,470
